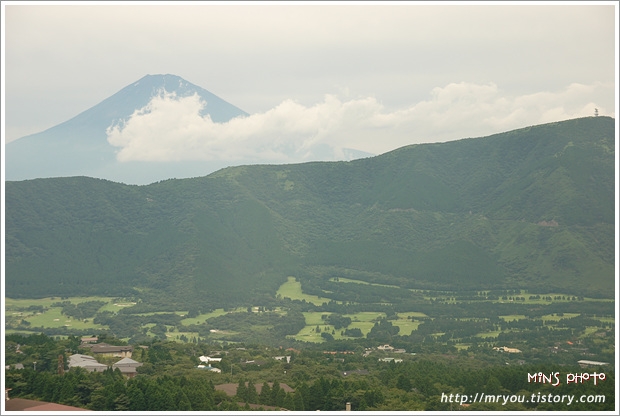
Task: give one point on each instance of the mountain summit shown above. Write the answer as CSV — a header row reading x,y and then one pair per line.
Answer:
x,y
163,127
79,146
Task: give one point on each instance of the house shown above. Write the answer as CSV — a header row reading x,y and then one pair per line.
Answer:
x,y
206,359
283,357
86,362
399,351
112,350
507,349
18,366
89,340
390,359
588,363
127,366
385,347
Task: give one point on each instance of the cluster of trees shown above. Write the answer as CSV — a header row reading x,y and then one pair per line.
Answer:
x,y
430,379
455,327
337,320
81,310
110,390
383,331
168,380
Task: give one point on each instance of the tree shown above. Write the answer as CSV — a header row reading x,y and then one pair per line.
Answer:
x,y
403,382
493,386
252,395
136,398
122,403
265,394
298,401
98,400
183,402
277,394
242,390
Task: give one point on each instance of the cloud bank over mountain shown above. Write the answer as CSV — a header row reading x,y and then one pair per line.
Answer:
x,y
171,128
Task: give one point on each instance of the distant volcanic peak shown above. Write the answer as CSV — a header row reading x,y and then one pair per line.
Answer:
x,y
151,86
171,82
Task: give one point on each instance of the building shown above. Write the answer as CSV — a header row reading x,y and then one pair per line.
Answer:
x,y
112,350
283,358
127,366
390,359
588,363
206,359
507,349
86,362
385,347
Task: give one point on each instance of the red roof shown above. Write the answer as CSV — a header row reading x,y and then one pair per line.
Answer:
x,y
35,405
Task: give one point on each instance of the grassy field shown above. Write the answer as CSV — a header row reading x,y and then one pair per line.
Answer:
x,y
200,319
16,311
292,289
52,317
556,317
406,326
362,320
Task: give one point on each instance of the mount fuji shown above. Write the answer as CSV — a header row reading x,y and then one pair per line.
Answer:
x,y
79,146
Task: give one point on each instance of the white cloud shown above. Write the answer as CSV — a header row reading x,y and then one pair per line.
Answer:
x,y
171,128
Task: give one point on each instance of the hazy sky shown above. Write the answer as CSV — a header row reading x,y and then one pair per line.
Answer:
x,y
409,72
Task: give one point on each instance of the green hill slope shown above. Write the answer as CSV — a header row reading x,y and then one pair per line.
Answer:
x,y
531,208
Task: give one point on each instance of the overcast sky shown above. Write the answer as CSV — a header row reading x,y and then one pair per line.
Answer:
x,y
410,73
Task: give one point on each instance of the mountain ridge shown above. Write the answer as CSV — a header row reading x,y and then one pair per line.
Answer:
x,y
531,208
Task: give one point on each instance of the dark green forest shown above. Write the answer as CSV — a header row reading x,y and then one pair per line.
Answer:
x,y
527,209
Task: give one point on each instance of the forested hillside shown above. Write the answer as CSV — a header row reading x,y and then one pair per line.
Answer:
x,y
531,208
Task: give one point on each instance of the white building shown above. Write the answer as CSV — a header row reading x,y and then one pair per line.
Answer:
x,y
206,359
